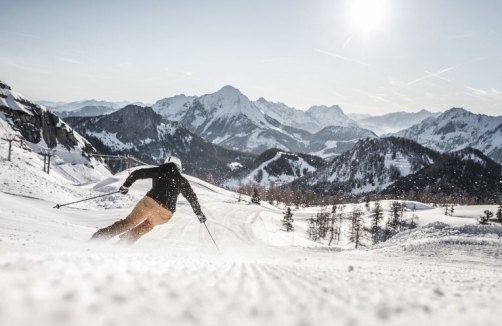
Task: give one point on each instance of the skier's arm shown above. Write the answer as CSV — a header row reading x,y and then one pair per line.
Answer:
x,y
189,194
139,174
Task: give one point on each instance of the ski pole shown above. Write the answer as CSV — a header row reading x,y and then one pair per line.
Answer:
x,y
211,237
111,193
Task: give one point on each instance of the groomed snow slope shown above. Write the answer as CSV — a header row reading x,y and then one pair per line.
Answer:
x,y
50,275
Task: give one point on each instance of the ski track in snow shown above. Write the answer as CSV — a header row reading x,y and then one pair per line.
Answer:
x,y
50,275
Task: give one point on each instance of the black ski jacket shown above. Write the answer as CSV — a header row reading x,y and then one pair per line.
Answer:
x,y
167,183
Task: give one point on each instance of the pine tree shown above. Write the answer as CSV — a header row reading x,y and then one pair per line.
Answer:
x,y
377,217
288,220
452,210
333,228
358,229
256,197
499,214
395,220
446,210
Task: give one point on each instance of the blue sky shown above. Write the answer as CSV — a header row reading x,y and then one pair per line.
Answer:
x,y
416,54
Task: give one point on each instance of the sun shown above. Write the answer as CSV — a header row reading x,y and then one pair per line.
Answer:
x,y
368,15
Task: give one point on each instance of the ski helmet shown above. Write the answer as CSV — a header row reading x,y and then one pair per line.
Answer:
x,y
175,160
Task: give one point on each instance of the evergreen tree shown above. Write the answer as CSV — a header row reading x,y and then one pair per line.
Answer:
x,y
358,229
288,220
499,214
452,210
446,210
333,227
256,199
396,215
376,218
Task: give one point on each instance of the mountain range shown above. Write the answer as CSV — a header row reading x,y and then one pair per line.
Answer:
x,y
228,118
457,129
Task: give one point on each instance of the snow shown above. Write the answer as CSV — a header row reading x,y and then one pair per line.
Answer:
x,y
110,140
50,275
234,166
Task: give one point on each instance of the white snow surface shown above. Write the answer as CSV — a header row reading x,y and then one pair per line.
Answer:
x,y
51,275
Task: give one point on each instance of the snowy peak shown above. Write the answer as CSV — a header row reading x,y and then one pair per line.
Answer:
x,y
330,116
456,129
372,164
276,167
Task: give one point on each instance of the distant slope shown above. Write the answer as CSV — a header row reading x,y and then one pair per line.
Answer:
x,y
465,173
394,122
275,167
372,165
87,111
456,129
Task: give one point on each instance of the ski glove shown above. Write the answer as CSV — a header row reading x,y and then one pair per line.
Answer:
x,y
124,190
202,218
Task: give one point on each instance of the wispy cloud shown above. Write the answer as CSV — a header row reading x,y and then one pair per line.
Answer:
x,y
124,64
70,60
436,74
496,91
343,58
188,73
380,98
346,42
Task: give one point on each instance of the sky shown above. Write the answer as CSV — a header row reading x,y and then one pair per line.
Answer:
x,y
367,56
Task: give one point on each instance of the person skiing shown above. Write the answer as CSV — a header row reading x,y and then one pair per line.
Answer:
x,y
157,207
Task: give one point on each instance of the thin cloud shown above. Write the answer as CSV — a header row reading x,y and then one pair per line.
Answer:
x,y
437,76
441,72
480,97
496,91
346,42
343,58
70,60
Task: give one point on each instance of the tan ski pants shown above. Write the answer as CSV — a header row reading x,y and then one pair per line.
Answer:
x,y
146,214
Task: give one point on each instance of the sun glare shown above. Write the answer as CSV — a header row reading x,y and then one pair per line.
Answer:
x,y
368,15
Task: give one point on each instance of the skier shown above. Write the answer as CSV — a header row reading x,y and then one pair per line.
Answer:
x,y
159,204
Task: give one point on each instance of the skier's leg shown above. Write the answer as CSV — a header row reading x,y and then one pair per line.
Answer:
x,y
135,233
138,214
157,215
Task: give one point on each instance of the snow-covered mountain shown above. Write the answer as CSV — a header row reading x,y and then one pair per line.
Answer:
x,y
77,105
275,167
335,140
312,120
394,122
373,164
87,111
288,116
146,135
41,130
228,118
464,173
456,129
